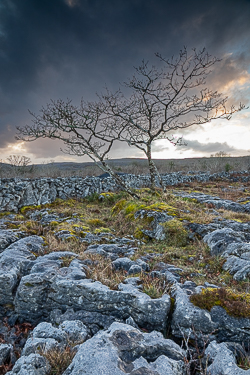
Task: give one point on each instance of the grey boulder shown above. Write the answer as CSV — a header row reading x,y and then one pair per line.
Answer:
x,y
189,320
5,350
46,330
7,237
15,261
124,349
94,321
39,346
34,364
219,239
38,294
230,328
223,360
112,251
238,267
132,267
157,231
123,263
237,249
76,331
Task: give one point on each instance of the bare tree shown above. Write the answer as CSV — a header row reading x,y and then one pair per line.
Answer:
x,y
19,161
19,164
161,101
84,130
164,100
220,154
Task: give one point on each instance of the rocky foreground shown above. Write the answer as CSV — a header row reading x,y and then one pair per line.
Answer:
x,y
55,308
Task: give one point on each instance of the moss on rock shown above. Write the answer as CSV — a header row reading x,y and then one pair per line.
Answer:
x,y
235,304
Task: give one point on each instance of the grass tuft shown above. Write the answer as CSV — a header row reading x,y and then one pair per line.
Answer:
x,y
59,359
155,287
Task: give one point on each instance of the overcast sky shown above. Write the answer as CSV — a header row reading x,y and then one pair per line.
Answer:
x,y
52,49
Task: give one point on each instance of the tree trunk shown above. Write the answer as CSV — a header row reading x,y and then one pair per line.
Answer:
x,y
119,180
159,177
154,173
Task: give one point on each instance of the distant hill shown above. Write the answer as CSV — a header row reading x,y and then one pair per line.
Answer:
x,y
127,165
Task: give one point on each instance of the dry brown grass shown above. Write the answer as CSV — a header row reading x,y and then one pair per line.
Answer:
x,y
236,216
102,271
32,227
73,245
223,189
195,261
59,359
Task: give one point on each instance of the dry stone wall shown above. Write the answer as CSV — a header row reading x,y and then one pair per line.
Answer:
x,y
16,193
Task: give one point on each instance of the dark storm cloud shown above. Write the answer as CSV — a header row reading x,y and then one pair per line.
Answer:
x,y
232,71
72,48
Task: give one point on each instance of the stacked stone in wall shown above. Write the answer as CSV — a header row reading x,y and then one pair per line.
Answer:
x,y
16,193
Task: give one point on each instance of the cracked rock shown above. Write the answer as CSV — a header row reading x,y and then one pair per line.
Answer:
x,y
123,348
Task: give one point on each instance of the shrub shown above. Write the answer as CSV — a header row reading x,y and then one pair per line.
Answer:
x,y
131,208
104,271
65,261
92,198
32,228
243,361
53,224
228,167
161,206
176,233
